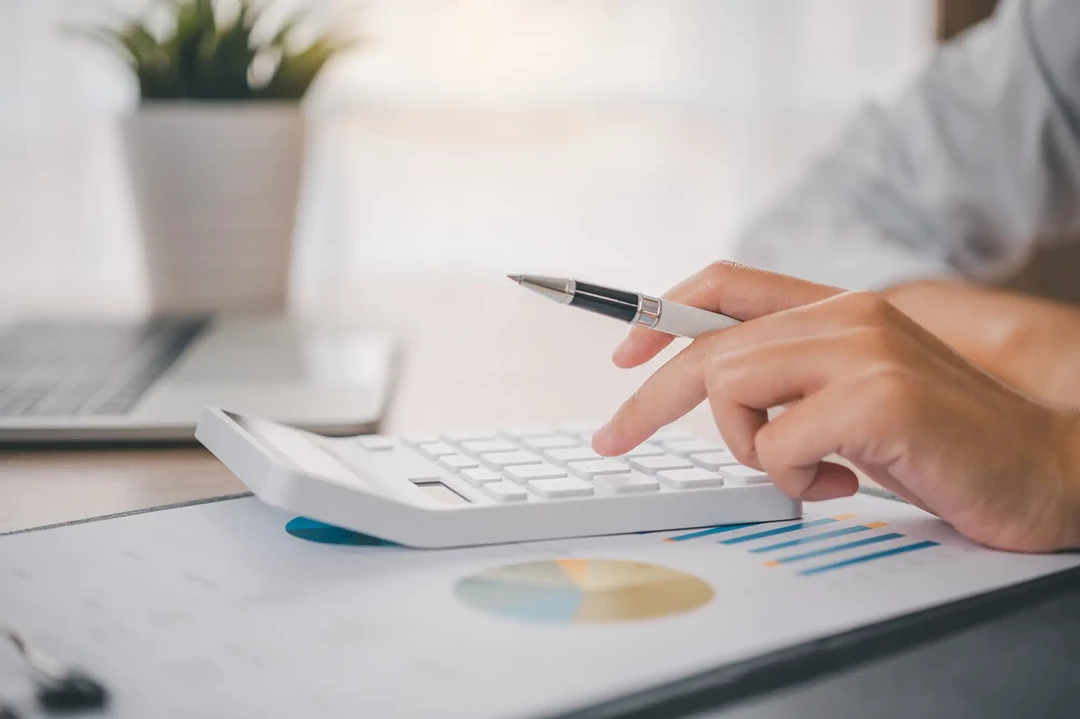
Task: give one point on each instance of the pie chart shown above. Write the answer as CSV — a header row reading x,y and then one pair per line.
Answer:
x,y
583,591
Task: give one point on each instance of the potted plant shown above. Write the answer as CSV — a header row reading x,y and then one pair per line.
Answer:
x,y
215,151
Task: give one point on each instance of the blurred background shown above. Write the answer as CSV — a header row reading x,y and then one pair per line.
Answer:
x,y
625,141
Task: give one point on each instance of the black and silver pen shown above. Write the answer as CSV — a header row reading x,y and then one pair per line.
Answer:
x,y
632,307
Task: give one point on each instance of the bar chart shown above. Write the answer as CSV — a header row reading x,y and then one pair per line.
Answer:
x,y
814,545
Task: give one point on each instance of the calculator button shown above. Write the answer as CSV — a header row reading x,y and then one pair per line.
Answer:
x,y
687,447
465,435
480,475
714,460
592,468
457,461
570,454
436,449
504,492
550,441
484,446
650,465
521,432
499,460
743,474
375,443
645,449
560,488
695,478
671,432
626,483
527,472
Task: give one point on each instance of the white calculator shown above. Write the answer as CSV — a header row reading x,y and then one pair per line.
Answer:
x,y
474,487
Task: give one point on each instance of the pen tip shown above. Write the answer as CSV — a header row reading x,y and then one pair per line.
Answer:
x,y
516,278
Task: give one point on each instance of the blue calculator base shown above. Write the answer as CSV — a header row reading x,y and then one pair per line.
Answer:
x,y
313,531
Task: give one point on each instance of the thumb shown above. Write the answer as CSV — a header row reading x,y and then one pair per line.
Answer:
x,y
738,291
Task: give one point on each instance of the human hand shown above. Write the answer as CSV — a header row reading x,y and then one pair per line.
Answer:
x,y
1031,343
861,380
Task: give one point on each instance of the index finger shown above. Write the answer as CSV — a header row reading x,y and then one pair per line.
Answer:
x,y
735,290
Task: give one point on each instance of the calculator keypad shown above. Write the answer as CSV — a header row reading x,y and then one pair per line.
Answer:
x,y
539,464
690,447
487,446
501,460
480,475
561,487
714,460
505,492
629,483
744,475
652,465
525,473
563,455
695,478
457,462
645,449
596,467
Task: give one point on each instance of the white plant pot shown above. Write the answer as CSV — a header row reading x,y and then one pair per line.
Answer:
x,y
216,188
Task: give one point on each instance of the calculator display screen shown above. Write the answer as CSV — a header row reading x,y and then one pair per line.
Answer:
x,y
299,450
441,493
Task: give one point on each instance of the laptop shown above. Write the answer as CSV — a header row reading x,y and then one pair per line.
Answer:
x,y
149,380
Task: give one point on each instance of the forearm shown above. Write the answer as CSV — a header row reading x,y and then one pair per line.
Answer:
x,y
1030,343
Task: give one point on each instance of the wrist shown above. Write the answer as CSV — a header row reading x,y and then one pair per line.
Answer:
x,y
974,321
1024,341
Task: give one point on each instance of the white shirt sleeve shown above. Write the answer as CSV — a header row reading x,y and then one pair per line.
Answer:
x,y
961,176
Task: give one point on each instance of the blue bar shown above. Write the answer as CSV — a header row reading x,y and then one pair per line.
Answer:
x,y
713,530
839,548
812,538
869,557
778,530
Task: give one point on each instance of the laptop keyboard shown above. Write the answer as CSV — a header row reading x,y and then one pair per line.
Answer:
x,y
87,369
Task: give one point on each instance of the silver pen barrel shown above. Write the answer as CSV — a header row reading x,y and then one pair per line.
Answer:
x,y
648,313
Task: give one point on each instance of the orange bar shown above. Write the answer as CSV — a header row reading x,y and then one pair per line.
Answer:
x,y
845,516
876,525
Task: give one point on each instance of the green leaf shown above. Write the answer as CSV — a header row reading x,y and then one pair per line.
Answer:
x,y
297,71
204,61
149,59
229,62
